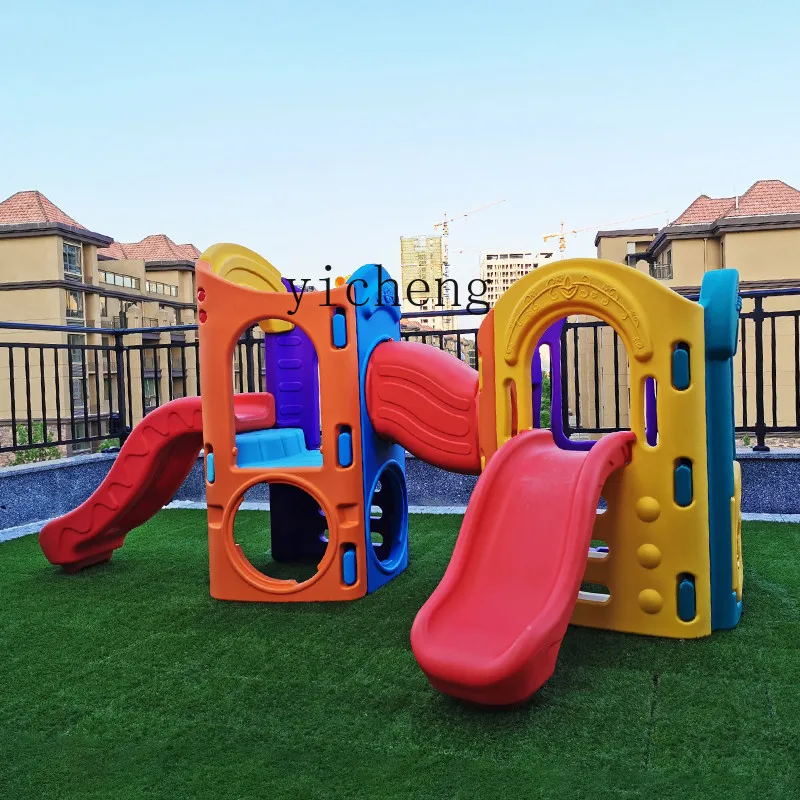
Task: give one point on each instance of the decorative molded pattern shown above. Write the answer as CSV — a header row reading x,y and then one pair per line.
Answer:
x,y
577,292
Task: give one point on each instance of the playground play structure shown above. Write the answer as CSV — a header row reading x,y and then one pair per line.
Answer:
x,y
346,398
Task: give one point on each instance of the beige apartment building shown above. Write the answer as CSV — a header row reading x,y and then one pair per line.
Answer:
x,y
422,259
501,269
757,233
54,271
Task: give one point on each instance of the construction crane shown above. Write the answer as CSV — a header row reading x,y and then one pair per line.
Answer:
x,y
562,234
444,225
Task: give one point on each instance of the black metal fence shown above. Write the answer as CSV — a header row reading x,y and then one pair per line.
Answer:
x,y
75,389
71,389
766,371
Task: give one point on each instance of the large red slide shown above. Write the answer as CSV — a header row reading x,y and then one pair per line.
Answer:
x,y
150,468
491,631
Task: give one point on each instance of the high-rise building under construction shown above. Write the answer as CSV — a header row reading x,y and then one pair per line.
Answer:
x,y
501,270
421,259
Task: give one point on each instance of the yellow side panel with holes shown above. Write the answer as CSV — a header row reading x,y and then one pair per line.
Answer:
x,y
651,539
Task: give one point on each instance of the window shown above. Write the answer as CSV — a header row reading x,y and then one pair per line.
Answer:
x,y
150,399
115,279
78,396
76,342
72,259
74,304
109,362
103,306
631,248
79,432
162,288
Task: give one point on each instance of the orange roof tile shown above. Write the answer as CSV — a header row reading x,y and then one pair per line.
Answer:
x,y
767,197
763,198
33,207
157,247
705,209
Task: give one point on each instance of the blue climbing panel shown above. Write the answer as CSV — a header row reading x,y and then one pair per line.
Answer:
x,y
378,320
719,296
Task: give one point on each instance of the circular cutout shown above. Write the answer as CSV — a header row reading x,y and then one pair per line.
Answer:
x,y
388,519
288,542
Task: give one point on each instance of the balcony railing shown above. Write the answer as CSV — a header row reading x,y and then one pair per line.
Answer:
x,y
661,272
47,382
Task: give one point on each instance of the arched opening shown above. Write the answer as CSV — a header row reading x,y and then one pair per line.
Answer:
x,y
594,380
282,531
285,364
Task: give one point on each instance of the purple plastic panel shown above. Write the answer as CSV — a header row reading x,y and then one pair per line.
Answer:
x,y
552,337
650,413
536,384
292,376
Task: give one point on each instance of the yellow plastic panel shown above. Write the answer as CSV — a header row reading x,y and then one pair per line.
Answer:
x,y
245,267
651,539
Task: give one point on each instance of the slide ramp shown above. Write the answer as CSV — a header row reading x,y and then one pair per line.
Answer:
x,y
151,466
491,631
425,400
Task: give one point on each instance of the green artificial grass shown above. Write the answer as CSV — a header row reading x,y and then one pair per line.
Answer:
x,y
129,681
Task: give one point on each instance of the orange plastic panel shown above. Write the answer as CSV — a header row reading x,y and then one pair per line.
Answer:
x,y
224,311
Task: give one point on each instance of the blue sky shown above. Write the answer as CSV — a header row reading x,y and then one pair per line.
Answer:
x,y
320,132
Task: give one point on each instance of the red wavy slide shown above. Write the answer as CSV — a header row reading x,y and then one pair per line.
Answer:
x,y
491,631
151,466
425,400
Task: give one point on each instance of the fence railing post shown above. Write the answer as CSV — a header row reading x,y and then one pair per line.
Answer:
x,y
249,341
562,355
119,353
761,425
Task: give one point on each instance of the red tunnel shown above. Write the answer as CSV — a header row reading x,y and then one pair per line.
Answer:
x,y
426,400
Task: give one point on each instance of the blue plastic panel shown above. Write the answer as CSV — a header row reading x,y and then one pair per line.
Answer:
x,y
687,602
719,296
345,448
378,320
275,447
681,377
339,330
349,566
210,467
683,485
